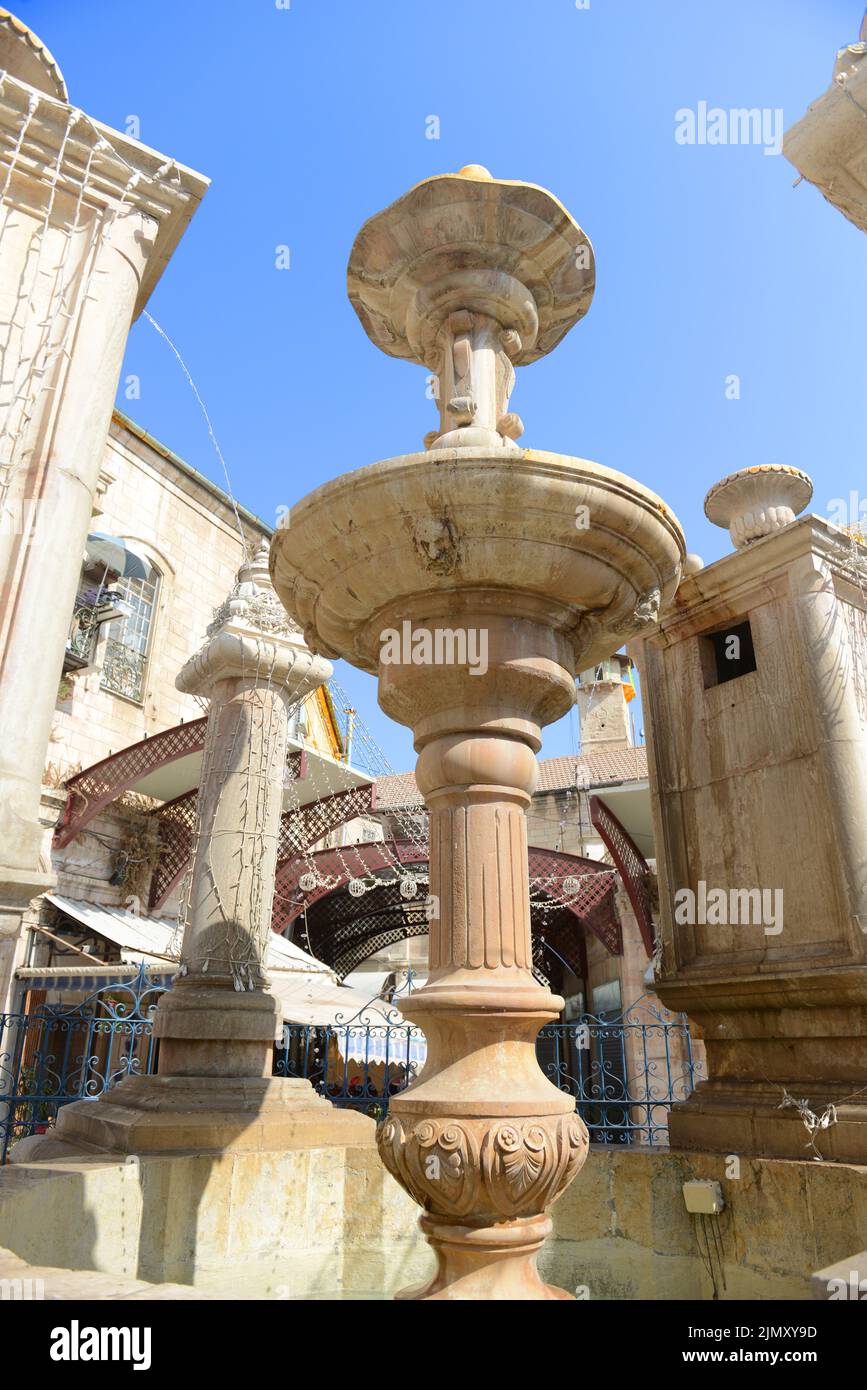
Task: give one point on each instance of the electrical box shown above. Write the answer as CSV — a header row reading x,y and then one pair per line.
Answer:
x,y
703,1196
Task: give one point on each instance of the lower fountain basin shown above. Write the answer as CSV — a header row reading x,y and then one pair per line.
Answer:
x,y
583,543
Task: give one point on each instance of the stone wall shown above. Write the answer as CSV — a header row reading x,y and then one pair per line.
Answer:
x,y
604,715
561,820
622,1230
326,1221
180,520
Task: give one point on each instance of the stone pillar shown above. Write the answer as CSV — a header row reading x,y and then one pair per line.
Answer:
x,y
603,713
88,221
758,778
218,1021
218,1024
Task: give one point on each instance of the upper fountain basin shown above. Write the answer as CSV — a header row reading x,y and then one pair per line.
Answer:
x,y
428,534
468,241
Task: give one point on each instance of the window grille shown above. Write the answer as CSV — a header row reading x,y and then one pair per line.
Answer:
x,y
126,648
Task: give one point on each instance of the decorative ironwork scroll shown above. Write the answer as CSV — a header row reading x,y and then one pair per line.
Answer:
x,y
624,1070
56,1055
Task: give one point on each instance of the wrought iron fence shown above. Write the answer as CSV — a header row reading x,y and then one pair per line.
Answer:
x,y
624,1070
355,1065
53,1055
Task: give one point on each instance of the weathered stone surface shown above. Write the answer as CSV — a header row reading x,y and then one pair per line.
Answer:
x,y
289,1223
828,145
218,1023
471,276
100,253
81,1286
759,785
331,1222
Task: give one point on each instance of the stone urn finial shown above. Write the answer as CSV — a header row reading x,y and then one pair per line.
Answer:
x,y
471,276
755,502
252,601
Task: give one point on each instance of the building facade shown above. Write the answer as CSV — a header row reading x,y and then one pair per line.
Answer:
x,y
177,536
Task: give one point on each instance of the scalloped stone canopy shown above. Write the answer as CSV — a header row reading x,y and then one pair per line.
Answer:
x,y
412,264
24,55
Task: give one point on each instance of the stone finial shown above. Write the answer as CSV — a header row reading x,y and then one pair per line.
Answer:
x,y
849,57
253,602
253,638
755,502
471,276
24,56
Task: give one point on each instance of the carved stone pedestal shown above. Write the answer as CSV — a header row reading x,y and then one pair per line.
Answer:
x,y
480,1261
483,1173
482,1140
218,1024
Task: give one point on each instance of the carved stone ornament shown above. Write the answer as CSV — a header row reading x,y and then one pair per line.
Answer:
x,y
476,538
253,602
458,1168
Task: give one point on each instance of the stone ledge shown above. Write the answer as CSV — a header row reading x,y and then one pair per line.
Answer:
x,y
51,1283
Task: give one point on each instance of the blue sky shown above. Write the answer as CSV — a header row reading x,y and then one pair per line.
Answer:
x,y
309,119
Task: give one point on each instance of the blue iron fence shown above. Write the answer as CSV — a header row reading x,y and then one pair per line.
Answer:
x,y
361,1066
624,1070
54,1055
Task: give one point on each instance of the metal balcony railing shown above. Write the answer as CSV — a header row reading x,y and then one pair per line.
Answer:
x,y
81,641
123,670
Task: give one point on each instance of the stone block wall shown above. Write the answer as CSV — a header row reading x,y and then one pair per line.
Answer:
x,y
163,508
332,1222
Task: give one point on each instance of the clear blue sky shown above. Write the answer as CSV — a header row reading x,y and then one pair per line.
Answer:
x,y
310,119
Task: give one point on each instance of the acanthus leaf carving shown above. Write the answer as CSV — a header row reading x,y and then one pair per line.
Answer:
x,y
484,1167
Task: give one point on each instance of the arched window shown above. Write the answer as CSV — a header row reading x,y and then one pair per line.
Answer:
x,y
128,639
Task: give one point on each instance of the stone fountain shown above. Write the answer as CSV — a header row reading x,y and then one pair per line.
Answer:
x,y
506,570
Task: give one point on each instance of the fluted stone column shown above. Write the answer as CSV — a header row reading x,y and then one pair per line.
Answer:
x,y
218,1024
484,1169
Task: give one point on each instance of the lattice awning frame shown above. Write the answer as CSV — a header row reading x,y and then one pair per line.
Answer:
x,y
94,788
330,867
556,941
177,828
591,908
305,826
344,931
177,825
631,864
